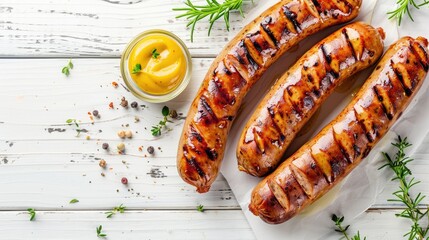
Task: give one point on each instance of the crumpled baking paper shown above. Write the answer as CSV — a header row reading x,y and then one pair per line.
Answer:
x,y
359,190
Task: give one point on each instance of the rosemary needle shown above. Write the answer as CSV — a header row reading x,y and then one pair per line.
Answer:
x,y
404,8
213,10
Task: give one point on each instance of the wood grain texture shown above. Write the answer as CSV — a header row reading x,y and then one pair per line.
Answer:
x,y
82,28
14,225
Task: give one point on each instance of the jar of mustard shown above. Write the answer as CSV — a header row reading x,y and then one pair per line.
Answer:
x,y
156,66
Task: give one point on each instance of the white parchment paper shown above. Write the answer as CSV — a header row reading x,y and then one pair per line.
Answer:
x,y
360,189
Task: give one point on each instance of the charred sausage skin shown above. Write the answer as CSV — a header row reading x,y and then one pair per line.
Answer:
x,y
297,95
236,69
336,150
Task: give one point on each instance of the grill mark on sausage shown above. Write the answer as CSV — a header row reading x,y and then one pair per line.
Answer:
x,y
221,96
248,56
407,90
255,43
328,58
211,153
291,16
423,62
362,125
316,3
194,164
271,112
264,25
342,149
380,99
344,32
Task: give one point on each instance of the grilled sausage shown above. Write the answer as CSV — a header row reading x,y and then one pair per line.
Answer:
x,y
335,151
296,96
240,64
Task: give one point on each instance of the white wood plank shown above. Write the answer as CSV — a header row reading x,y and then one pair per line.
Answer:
x,y
84,28
129,225
376,224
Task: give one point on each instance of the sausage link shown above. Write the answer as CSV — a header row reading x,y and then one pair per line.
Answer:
x,y
240,64
335,151
297,95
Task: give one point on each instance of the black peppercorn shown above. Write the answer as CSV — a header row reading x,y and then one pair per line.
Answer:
x,y
150,150
134,104
105,146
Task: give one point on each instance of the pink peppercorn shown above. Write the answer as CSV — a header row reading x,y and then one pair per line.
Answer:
x,y
124,180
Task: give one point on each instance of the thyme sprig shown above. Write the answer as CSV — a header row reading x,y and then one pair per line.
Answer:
x,y
66,69
404,8
100,232
341,229
157,129
213,10
118,209
72,121
403,174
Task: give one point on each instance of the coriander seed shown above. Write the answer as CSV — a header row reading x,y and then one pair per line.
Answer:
x,y
102,163
121,134
128,134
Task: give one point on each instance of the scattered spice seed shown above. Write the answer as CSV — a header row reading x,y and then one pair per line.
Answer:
x,y
115,84
150,150
96,113
140,148
102,174
121,134
136,119
124,102
128,134
173,114
102,163
121,147
124,180
134,104
88,137
105,146
111,105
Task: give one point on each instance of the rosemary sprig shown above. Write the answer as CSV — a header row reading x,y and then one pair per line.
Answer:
x,y
403,175
404,8
100,233
213,10
157,129
341,229
118,209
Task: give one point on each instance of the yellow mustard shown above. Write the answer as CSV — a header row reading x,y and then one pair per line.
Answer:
x,y
157,64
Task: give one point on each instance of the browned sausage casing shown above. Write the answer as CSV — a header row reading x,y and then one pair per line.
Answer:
x,y
297,95
336,150
236,69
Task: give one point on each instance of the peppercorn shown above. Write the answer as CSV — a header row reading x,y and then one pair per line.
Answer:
x,y
95,113
105,146
134,104
102,163
173,114
150,150
124,102
124,180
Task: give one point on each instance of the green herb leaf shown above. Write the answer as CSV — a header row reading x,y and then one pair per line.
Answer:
x,y
137,68
119,209
32,213
99,230
155,54
200,208
66,69
341,229
165,111
404,8
157,129
398,165
69,121
74,200
213,10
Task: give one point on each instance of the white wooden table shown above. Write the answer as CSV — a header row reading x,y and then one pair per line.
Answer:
x,y
43,165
